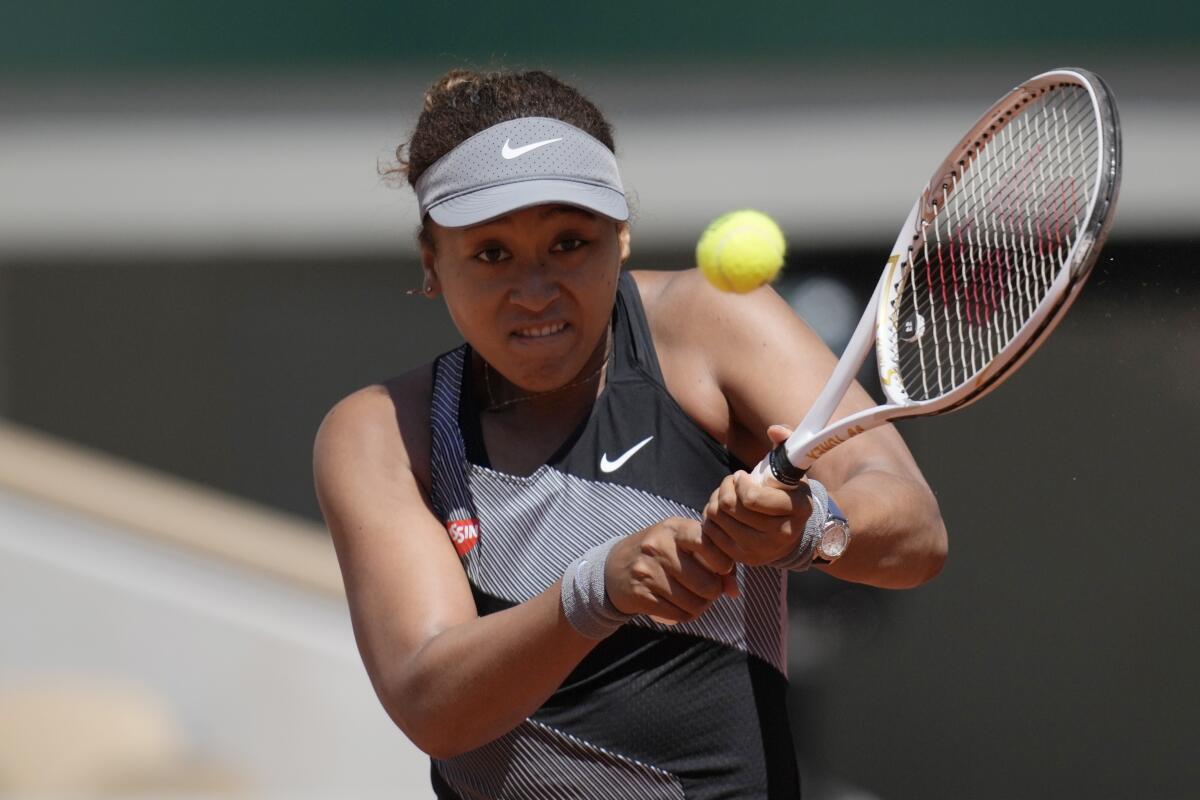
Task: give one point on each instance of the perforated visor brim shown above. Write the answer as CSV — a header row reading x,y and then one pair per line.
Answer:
x,y
496,201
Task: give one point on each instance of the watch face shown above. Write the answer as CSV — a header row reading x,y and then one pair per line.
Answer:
x,y
834,539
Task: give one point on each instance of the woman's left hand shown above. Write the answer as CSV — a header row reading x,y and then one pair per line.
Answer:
x,y
755,524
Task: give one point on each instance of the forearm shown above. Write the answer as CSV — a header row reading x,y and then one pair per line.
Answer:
x,y
475,681
899,539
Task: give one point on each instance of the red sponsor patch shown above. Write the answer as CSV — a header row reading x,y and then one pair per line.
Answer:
x,y
464,534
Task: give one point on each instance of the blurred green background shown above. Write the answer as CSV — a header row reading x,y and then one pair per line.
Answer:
x,y
198,257
135,35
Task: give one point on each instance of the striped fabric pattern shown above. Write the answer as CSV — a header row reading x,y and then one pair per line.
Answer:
x,y
451,498
534,761
544,521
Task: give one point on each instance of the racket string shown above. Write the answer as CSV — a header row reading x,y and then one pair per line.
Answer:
x,y
998,240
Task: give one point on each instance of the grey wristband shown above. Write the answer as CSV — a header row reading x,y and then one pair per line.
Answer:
x,y
585,602
801,558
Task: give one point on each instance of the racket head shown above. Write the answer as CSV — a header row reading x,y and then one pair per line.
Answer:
x,y
999,243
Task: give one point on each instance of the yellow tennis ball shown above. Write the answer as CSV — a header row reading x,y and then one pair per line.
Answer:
x,y
740,251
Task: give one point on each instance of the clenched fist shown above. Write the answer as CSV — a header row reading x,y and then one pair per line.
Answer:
x,y
668,571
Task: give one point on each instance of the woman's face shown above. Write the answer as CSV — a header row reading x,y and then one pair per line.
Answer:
x,y
531,291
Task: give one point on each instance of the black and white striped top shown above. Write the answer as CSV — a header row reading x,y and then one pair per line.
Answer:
x,y
686,711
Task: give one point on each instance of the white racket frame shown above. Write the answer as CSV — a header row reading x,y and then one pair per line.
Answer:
x,y
814,436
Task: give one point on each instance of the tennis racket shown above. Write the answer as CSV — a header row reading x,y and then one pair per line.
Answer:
x,y
991,256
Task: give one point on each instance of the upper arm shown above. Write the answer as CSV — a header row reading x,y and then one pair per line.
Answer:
x,y
768,367
404,582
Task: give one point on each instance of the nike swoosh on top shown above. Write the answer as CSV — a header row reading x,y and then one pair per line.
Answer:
x,y
514,152
613,466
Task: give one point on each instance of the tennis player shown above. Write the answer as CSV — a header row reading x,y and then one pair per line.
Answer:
x,y
562,582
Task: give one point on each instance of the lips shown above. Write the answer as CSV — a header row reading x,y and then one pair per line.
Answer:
x,y
540,331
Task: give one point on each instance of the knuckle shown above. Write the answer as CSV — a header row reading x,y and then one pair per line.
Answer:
x,y
676,527
640,573
645,594
651,547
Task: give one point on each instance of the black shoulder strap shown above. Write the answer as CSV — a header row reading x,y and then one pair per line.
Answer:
x,y
632,343
451,497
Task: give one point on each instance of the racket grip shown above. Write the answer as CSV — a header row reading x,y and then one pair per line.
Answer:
x,y
782,468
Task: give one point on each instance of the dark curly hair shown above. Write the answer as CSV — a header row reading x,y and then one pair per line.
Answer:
x,y
462,103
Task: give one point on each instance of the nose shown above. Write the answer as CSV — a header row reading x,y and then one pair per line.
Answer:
x,y
536,288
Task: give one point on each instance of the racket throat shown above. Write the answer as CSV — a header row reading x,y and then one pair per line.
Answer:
x,y
792,452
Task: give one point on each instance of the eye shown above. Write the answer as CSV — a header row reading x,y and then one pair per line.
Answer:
x,y
492,255
568,244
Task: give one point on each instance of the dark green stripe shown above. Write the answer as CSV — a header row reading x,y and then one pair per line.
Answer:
x,y
53,36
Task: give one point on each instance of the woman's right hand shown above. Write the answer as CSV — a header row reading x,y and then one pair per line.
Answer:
x,y
668,571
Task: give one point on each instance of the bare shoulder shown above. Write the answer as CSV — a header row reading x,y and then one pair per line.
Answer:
x,y
686,308
381,429
665,296
372,477
403,578
748,353
682,356
732,331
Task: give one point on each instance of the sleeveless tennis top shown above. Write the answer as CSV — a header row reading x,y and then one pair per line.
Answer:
x,y
692,711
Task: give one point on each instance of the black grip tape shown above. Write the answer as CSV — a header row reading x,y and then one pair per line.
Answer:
x,y
783,469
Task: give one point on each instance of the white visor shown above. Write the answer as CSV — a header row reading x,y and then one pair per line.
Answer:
x,y
517,164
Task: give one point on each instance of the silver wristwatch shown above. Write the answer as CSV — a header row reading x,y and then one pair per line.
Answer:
x,y
834,536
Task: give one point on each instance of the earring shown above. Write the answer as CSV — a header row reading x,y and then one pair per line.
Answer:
x,y
424,291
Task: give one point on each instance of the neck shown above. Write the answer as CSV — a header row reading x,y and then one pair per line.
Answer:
x,y
499,396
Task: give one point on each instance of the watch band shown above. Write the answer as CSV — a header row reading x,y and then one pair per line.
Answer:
x,y
833,514
832,508
801,557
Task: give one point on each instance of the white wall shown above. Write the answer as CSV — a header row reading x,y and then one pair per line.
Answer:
x,y
262,676
245,167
